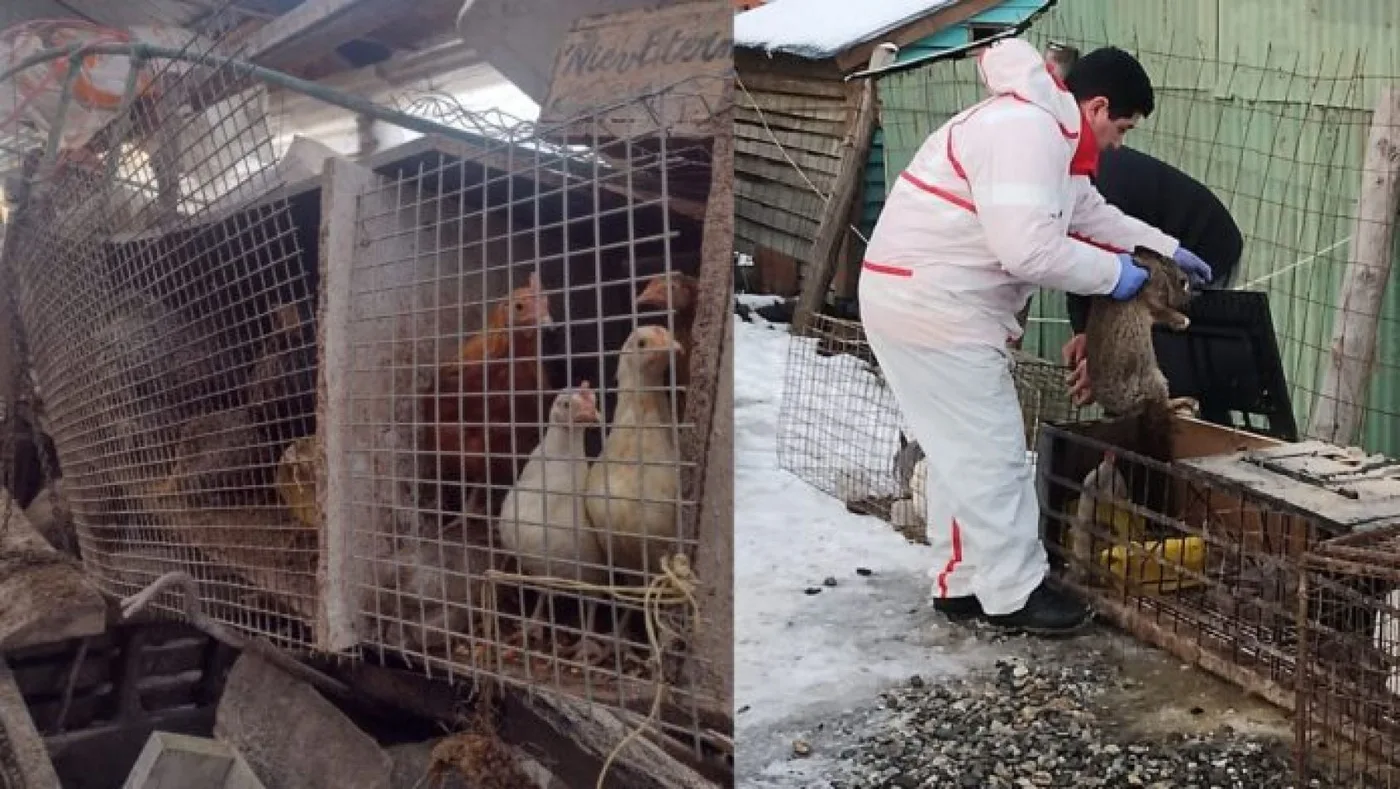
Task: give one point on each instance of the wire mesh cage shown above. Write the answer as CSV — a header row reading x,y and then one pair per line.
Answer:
x,y
507,388
1348,712
1201,556
840,428
169,322
435,405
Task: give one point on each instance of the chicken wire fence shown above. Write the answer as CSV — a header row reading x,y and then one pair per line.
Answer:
x,y
430,406
840,428
1278,128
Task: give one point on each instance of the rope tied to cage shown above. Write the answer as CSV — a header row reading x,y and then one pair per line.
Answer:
x,y
677,578
674,585
678,589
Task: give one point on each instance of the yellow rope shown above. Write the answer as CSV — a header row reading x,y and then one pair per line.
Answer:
x,y
674,585
676,580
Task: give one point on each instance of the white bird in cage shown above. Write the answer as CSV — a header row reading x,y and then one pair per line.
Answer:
x,y
543,519
634,488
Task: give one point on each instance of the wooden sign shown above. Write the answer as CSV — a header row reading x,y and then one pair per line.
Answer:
x,y
624,73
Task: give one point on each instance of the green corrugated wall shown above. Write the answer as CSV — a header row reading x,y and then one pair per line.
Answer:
x,y
1274,122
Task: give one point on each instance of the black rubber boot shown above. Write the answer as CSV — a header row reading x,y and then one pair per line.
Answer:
x,y
958,608
1046,613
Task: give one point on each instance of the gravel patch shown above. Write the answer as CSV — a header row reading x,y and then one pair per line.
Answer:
x,y
1027,724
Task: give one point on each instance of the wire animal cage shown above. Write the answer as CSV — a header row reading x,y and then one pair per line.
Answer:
x,y
1201,556
172,341
509,396
1348,712
436,405
841,430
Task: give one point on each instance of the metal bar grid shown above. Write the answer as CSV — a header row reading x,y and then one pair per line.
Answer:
x,y
517,316
174,353
1205,570
1348,712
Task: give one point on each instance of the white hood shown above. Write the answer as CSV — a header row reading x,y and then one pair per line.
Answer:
x,y
1012,67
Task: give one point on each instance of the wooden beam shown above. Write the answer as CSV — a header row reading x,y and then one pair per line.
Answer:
x,y
855,149
1339,407
944,18
579,735
25,749
710,409
315,27
338,617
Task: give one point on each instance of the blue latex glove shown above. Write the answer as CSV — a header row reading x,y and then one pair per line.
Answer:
x,y
1196,269
1131,278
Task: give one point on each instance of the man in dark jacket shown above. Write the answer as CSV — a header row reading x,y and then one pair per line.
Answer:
x,y
1153,191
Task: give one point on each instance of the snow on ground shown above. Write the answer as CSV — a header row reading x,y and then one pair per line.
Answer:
x,y
822,28
757,300
803,659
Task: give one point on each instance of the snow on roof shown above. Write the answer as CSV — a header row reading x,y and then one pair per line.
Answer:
x,y
820,29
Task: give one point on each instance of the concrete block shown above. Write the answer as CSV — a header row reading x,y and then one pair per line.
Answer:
x,y
178,761
291,736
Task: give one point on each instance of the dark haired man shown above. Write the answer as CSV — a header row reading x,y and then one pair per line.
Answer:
x,y
996,203
1145,188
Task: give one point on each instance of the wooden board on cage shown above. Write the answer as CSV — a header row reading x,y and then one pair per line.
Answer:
x,y
1348,718
672,59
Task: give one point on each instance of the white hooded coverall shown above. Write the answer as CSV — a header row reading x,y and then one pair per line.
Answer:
x,y
995,203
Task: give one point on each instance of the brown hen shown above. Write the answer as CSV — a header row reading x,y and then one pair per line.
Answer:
x,y
675,292
484,413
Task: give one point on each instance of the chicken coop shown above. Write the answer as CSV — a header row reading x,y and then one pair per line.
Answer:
x,y
1202,554
1348,712
448,407
841,430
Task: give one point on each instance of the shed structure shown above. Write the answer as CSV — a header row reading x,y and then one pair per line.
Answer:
x,y
796,126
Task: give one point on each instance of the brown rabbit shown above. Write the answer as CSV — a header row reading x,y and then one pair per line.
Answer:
x,y
1121,359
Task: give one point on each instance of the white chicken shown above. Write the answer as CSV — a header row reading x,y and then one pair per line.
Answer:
x,y
633,489
543,519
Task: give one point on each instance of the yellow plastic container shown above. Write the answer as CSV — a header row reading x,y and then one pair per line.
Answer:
x,y
1156,567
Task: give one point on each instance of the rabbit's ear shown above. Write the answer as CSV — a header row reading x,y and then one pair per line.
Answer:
x,y
583,387
533,283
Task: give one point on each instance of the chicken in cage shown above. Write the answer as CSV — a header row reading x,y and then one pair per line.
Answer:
x,y
516,405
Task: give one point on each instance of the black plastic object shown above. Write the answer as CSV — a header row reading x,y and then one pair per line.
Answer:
x,y
1228,360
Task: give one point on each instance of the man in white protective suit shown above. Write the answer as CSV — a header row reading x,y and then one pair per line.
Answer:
x,y
995,203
